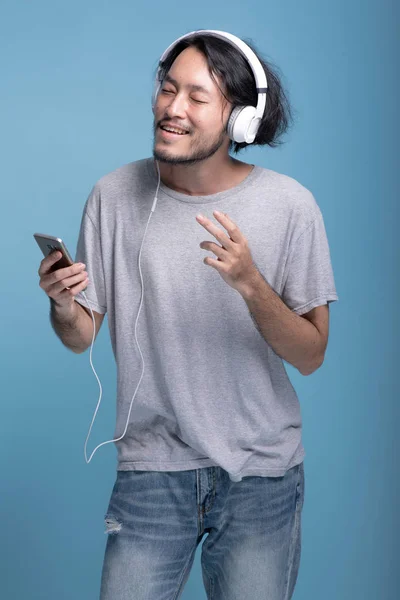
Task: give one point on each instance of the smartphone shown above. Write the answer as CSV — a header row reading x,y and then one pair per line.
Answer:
x,y
49,243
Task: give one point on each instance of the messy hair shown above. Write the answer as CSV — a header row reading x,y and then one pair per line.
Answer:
x,y
239,85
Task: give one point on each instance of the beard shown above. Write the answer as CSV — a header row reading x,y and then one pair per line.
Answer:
x,y
199,151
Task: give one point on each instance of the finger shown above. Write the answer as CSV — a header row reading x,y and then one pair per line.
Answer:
x,y
68,282
48,261
79,287
48,280
229,225
217,250
71,291
59,274
220,235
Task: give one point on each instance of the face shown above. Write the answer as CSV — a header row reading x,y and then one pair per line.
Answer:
x,y
198,110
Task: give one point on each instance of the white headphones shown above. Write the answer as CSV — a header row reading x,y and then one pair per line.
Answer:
x,y
244,121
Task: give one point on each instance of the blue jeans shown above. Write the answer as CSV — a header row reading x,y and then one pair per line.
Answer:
x,y
155,521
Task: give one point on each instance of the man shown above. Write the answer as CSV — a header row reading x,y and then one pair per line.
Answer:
x,y
213,444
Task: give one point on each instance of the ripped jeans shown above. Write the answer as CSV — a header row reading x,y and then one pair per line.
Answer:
x,y
155,521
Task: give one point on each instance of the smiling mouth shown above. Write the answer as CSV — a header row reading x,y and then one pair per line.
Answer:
x,y
170,134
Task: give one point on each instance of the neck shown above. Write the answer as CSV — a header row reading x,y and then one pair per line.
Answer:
x,y
204,178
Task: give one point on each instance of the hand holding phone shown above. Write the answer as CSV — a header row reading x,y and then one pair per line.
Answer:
x,y
60,278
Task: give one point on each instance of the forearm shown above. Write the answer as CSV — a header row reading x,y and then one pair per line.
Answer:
x,y
73,326
293,338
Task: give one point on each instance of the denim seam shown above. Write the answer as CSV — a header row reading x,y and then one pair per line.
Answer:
x,y
293,535
200,521
211,583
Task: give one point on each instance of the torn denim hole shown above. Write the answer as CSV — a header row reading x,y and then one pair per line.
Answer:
x,y
112,524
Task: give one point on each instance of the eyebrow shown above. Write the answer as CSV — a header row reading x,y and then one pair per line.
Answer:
x,y
193,86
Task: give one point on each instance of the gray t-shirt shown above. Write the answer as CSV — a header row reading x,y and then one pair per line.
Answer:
x,y
213,391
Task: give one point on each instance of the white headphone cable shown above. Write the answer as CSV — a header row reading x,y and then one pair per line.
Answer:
x,y
94,330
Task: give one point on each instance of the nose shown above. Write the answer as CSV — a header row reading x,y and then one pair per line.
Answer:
x,y
176,106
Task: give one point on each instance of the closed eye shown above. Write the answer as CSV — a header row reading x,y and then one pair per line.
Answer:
x,y
171,92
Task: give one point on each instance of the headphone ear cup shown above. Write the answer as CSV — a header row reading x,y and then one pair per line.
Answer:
x,y
231,121
239,122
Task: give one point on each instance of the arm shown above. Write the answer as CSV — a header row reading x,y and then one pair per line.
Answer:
x,y
70,321
74,325
294,338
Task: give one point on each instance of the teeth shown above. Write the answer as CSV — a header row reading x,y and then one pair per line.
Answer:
x,y
174,130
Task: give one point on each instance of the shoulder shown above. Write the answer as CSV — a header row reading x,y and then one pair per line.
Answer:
x,y
116,187
126,175
289,196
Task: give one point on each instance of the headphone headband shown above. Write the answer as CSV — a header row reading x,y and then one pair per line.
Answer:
x,y
244,121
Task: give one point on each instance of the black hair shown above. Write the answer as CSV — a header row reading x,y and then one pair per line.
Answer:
x,y
236,75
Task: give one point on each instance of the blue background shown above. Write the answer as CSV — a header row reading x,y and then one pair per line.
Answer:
x,y
76,82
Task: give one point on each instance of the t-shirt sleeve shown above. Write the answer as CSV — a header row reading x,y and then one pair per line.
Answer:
x,y
89,252
309,280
